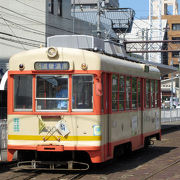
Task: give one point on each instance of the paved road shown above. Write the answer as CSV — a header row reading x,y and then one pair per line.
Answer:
x,y
158,162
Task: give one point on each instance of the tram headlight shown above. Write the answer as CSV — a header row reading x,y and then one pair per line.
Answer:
x,y
84,66
21,67
52,52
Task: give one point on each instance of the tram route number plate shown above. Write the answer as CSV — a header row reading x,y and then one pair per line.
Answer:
x,y
62,128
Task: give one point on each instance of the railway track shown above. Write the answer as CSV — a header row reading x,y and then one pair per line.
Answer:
x,y
160,161
17,174
161,170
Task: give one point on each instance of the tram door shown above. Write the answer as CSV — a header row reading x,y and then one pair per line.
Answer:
x,y
108,107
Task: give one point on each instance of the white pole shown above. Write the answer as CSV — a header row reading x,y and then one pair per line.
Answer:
x,y
3,81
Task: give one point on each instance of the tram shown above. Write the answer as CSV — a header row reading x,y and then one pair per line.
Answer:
x,y
107,105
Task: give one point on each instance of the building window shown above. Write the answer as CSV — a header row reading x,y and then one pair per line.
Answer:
x,y
176,38
175,54
60,7
176,27
51,6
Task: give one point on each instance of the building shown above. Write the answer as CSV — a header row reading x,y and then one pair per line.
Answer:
x,y
27,24
173,22
170,84
86,5
169,12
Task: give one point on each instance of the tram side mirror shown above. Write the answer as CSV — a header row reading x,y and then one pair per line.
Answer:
x,y
98,89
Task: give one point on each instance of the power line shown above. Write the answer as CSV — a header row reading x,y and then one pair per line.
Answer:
x,y
149,24
35,31
11,30
40,10
20,42
34,20
22,38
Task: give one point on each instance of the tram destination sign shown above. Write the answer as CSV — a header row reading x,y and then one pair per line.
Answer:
x,y
51,66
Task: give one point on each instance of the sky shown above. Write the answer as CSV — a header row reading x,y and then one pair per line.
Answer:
x,y
141,7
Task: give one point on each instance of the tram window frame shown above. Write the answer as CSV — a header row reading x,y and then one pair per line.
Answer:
x,y
126,89
134,92
115,92
102,97
139,93
148,93
157,93
122,91
152,93
58,101
92,91
23,91
128,93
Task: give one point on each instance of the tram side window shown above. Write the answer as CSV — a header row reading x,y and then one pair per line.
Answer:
x,y
128,93
152,94
147,93
134,93
139,93
156,94
115,92
23,93
121,92
82,92
52,92
102,97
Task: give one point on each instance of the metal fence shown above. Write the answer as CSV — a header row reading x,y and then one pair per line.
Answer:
x,y
3,123
3,136
170,115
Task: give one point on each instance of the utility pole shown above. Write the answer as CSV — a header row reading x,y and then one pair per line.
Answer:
x,y
73,16
98,19
143,40
147,58
100,6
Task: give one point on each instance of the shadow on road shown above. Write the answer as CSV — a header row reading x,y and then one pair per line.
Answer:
x,y
168,128
131,161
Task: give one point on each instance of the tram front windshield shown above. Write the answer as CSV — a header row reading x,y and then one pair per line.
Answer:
x,y
52,93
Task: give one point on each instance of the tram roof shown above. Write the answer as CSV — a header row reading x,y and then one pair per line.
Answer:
x,y
76,57
164,69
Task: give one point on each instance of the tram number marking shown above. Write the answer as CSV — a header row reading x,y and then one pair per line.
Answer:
x,y
62,128
16,125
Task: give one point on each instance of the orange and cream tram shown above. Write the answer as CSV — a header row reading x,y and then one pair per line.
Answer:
x,y
107,105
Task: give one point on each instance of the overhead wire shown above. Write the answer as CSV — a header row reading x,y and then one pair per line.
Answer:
x,y
26,28
20,42
7,34
34,20
12,32
40,10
